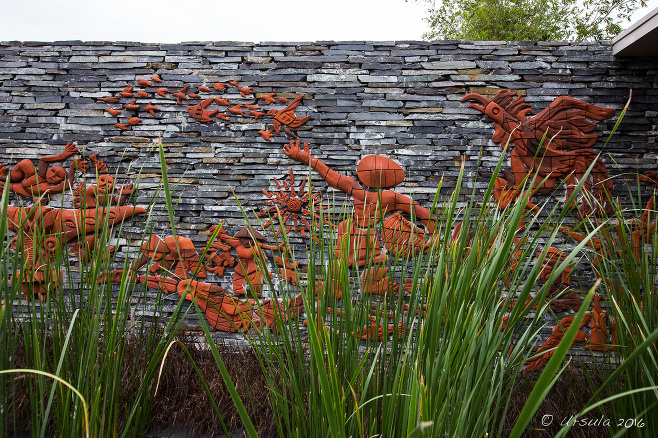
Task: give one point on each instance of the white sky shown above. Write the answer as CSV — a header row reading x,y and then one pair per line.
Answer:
x,y
173,21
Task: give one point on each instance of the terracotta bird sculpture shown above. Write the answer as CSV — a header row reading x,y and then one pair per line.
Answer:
x,y
287,117
553,145
199,111
180,95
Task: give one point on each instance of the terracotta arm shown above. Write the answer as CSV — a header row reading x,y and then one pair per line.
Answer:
x,y
229,240
101,167
594,242
141,261
431,226
44,162
408,205
77,164
333,178
280,247
71,173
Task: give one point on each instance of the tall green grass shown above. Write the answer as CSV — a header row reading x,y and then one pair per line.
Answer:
x,y
457,346
86,335
449,366
628,265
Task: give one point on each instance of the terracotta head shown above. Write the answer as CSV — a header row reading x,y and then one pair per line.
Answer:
x,y
248,236
105,184
55,175
378,172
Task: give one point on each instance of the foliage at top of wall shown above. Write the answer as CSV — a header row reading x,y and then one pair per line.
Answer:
x,y
529,20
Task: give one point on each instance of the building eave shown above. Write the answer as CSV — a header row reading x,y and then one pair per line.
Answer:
x,y
641,39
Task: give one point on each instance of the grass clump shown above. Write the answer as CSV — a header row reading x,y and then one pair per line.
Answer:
x,y
444,359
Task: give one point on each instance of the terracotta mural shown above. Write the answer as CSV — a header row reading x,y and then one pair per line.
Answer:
x,y
231,278
27,180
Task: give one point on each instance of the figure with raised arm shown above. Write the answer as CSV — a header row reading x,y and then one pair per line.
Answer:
x,y
374,172
400,236
26,180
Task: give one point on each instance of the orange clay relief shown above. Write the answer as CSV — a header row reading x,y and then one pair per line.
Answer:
x,y
374,172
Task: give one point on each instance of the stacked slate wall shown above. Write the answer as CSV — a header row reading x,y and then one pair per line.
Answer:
x,y
398,99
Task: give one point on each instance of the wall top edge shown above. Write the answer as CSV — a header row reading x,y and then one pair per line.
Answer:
x,y
303,43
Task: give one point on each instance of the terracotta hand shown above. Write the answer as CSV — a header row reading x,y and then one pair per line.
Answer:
x,y
293,151
70,149
126,190
79,164
101,167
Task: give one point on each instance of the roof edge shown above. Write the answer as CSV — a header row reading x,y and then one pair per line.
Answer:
x,y
639,39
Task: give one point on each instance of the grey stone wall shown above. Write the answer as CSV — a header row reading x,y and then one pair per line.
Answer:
x,y
399,99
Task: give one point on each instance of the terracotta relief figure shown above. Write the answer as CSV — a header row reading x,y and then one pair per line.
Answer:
x,y
101,194
248,244
37,250
374,172
224,313
176,255
32,182
42,231
596,340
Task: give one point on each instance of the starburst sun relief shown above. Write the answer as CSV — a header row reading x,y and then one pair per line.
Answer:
x,y
290,203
